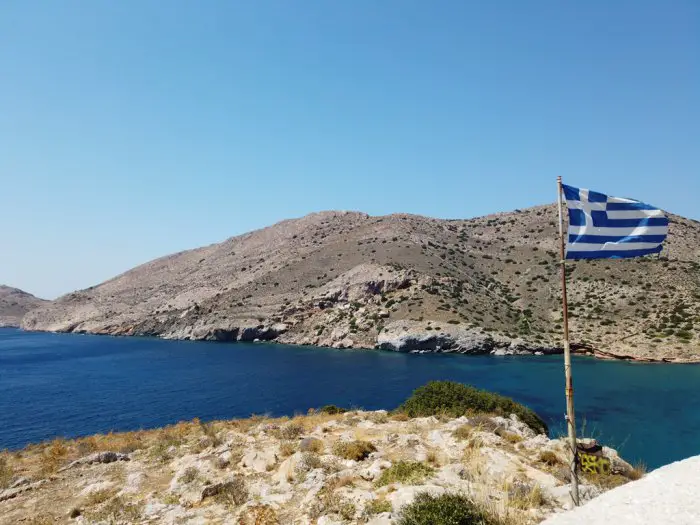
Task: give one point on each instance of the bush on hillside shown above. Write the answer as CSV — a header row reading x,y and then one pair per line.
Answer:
x,y
332,410
455,400
406,472
446,509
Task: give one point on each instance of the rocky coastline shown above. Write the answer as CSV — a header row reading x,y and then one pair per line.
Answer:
x,y
402,283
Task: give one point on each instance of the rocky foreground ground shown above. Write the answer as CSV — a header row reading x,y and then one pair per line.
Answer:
x,y
321,468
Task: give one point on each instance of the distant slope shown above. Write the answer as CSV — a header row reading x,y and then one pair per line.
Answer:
x,y
14,303
404,282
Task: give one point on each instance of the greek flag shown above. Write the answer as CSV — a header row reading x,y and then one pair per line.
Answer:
x,y
604,227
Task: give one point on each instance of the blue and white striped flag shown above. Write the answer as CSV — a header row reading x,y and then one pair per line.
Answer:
x,y
604,227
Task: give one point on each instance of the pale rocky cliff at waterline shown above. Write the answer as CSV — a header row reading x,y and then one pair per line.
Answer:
x,y
404,282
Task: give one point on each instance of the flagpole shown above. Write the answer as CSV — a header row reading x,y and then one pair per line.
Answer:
x,y
570,421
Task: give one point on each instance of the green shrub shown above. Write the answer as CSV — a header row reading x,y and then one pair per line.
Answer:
x,y
455,400
355,450
406,472
376,506
446,509
332,410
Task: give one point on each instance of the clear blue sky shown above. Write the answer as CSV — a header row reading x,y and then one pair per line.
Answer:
x,y
132,129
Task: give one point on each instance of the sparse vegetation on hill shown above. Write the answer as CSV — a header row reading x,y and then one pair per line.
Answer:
x,y
346,279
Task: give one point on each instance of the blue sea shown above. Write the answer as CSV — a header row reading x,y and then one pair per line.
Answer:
x,y
73,385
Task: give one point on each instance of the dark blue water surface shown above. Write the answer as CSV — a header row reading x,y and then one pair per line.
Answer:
x,y
71,385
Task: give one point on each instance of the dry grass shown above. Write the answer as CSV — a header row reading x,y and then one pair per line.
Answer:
x,y
99,496
525,495
605,481
189,475
341,481
638,471
463,432
287,448
259,515
329,501
170,499
42,519
124,442
433,458
473,459
291,430
379,418
355,450
53,457
510,437
232,493
549,458
311,445
484,423
6,472
115,510
160,452
308,461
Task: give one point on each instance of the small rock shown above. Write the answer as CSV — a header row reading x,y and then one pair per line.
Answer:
x,y
314,478
97,457
259,460
19,482
381,519
96,487
133,482
374,470
325,520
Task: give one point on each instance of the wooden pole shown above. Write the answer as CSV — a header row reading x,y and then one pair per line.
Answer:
x,y
570,421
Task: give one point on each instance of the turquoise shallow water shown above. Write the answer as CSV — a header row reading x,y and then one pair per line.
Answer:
x,y
70,385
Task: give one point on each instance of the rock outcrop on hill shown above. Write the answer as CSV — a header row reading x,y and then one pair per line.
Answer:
x,y
405,283
356,467
14,303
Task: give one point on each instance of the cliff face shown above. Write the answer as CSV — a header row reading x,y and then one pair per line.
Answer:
x,y
14,303
407,283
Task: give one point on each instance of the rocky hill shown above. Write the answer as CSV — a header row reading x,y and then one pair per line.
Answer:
x,y
404,282
14,303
